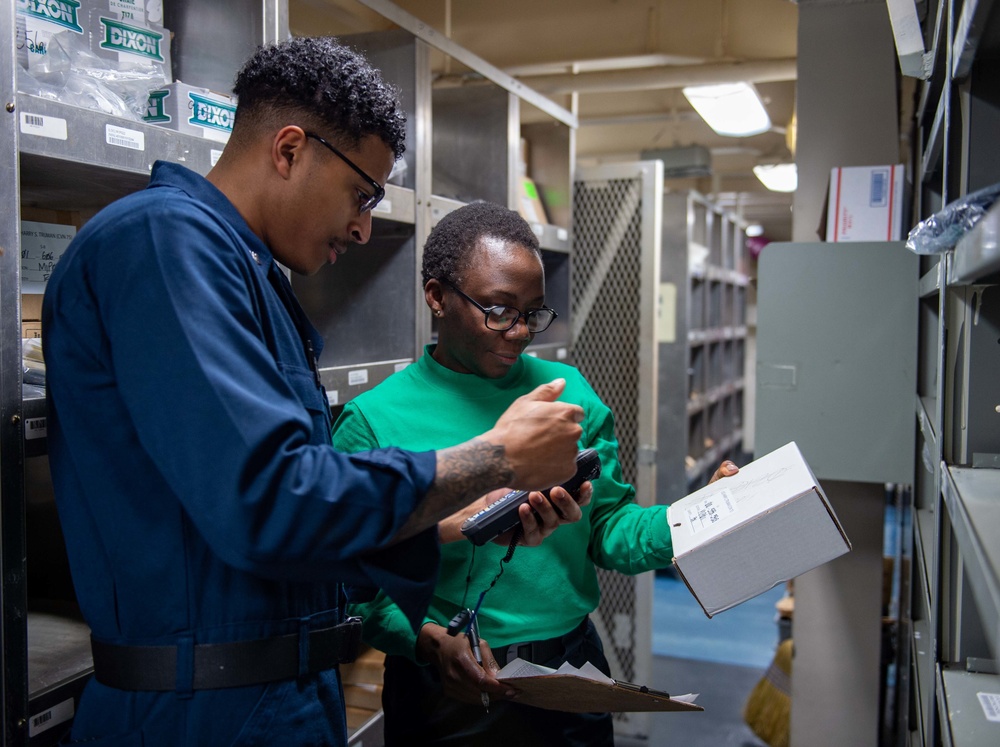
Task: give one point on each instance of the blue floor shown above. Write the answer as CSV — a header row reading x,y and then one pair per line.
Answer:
x,y
746,635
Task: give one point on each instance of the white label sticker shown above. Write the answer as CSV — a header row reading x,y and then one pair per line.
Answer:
x,y
561,354
37,124
562,234
214,156
400,366
332,397
358,377
42,244
123,138
57,714
35,428
991,705
383,207
711,510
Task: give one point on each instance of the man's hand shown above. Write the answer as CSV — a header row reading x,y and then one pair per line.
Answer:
x,y
532,447
461,677
539,437
540,517
726,469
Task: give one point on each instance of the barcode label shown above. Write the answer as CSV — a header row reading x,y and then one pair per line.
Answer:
x,y
35,428
991,705
124,138
357,377
57,714
214,156
879,194
42,126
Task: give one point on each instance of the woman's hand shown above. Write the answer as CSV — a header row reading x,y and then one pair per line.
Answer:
x,y
461,676
540,516
726,469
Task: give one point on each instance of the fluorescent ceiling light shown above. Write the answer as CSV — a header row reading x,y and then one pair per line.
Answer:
x,y
778,177
731,109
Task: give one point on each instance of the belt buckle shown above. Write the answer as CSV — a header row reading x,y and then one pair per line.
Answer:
x,y
351,642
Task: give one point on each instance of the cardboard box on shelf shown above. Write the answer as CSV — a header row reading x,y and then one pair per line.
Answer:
x,y
127,34
31,308
866,203
745,534
193,110
31,330
531,207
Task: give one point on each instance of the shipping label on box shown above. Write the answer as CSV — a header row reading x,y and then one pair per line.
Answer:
x,y
745,534
866,203
195,111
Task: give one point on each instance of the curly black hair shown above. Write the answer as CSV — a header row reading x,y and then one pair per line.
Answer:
x,y
318,83
452,240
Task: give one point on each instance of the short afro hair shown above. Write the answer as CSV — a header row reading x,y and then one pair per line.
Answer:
x,y
452,240
317,83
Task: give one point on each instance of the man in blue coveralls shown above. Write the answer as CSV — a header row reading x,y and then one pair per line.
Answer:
x,y
210,525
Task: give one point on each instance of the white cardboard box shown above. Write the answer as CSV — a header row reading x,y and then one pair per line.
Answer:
x,y
866,203
193,110
745,534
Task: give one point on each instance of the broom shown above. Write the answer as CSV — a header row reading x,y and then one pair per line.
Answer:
x,y
768,708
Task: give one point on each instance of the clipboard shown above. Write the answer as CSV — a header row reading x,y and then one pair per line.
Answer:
x,y
579,694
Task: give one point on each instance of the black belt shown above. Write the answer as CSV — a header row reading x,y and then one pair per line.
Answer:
x,y
209,666
539,652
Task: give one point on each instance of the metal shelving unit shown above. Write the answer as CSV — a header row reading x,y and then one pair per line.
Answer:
x,y
703,342
58,157
955,599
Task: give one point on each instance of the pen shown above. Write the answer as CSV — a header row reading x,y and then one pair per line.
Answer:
x,y
473,633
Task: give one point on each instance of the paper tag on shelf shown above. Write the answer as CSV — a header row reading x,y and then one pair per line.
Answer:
x,y
35,428
357,377
57,714
991,705
124,138
38,124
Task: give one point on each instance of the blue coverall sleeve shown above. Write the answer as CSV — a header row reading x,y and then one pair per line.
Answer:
x,y
220,417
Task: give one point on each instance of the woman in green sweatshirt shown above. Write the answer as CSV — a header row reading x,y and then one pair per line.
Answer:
x,y
484,282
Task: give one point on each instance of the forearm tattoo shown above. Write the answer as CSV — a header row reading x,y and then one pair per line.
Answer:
x,y
464,473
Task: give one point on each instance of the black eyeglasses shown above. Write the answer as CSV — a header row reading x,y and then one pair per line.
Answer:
x,y
502,318
367,202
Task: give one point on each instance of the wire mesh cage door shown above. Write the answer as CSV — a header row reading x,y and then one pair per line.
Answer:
x,y
614,278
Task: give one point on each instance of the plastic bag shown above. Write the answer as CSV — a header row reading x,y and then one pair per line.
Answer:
x,y
945,228
72,74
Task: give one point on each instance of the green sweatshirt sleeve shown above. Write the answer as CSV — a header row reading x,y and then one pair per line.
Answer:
x,y
385,627
625,537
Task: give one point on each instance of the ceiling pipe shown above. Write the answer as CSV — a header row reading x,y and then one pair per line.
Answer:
x,y
670,76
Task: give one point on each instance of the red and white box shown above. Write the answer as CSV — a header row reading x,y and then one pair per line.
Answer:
x,y
866,203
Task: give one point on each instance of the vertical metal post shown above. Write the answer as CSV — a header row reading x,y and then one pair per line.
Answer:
x,y
13,623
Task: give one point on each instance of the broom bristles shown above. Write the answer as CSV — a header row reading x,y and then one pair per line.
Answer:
x,y
768,708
